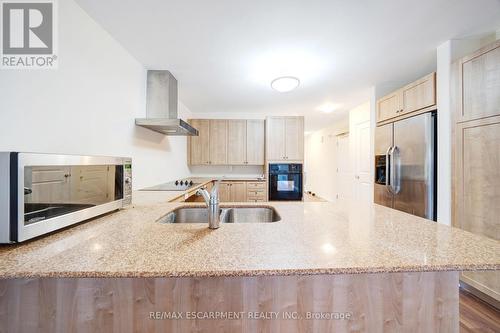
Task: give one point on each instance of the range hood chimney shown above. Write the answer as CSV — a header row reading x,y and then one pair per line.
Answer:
x,y
161,106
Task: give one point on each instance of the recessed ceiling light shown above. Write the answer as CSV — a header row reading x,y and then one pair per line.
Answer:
x,y
285,83
327,107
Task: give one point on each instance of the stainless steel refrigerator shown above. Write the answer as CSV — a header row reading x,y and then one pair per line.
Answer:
x,y
405,165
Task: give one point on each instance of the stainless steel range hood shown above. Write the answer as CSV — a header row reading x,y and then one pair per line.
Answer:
x,y
161,106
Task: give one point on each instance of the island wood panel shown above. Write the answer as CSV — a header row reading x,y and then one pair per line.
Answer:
x,y
389,302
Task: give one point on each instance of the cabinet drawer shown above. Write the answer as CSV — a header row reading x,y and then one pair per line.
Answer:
x,y
256,199
257,192
256,185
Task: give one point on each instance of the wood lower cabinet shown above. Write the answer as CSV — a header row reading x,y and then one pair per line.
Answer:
x,y
227,142
413,97
476,79
242,191
256,191
285,138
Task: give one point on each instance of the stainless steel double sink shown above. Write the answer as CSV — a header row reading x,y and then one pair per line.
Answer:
x,y
228,215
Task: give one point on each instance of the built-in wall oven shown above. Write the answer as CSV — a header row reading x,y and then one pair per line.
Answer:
x,y
285,182
41,193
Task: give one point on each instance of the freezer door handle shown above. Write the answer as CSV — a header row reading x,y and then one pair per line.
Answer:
x,y
395,170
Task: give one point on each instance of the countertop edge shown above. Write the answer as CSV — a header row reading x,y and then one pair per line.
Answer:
x,y
252,273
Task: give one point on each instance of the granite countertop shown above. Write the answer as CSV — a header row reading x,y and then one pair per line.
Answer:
x,y
311,238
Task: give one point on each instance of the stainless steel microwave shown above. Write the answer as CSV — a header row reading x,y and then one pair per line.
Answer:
x,y
41,193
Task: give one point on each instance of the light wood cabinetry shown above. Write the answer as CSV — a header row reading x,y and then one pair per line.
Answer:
x,y
242,191
416,96
480,74
256,191
199,146
237,142
476,106
238,192
285,139
227,142
255,130
218,142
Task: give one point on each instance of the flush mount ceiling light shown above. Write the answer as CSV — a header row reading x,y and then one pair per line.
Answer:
x,y
285,83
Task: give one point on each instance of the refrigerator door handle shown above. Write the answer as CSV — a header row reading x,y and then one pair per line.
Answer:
x,y
395,170
387,168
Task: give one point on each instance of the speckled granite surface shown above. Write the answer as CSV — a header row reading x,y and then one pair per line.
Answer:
x,y
312,238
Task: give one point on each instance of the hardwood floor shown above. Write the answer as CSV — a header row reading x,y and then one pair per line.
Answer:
x,y
476,315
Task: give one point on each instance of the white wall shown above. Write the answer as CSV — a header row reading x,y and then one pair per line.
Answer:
x,y
320,159
87,105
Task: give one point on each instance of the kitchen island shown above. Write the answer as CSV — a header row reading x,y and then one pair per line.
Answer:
x,y
352,268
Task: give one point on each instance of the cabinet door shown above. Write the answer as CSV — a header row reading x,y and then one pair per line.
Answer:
x,y
388,106
238,192
236,142
199,152
481,83
255,142
218,142
294,138
275,139
224,192
419,94
478,190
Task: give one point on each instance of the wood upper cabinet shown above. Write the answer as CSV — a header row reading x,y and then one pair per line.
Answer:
x,y
419,94
285,138
218,142
237,142
275,138
480,75
199,146
388,106
255,130
294,138
413,97
227,142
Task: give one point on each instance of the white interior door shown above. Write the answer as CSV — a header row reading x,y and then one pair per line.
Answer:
x,y
344,172
362,163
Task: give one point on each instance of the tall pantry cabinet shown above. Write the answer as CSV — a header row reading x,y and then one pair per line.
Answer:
x,y
476,106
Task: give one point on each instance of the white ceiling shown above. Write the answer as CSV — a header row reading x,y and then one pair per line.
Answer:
x,y
225,53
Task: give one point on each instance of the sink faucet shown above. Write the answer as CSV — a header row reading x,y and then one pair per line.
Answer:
x,y
212,201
